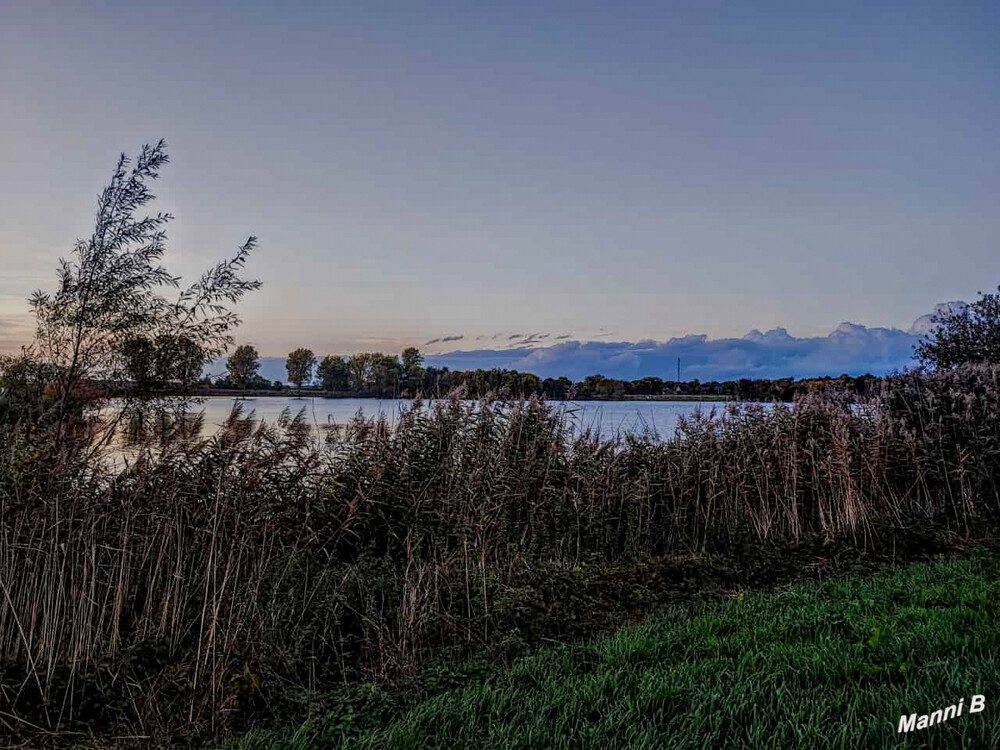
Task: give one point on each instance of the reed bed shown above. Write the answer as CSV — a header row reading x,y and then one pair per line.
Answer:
x,y
213,585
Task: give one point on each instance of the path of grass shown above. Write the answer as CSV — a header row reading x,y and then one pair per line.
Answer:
x,y
827,665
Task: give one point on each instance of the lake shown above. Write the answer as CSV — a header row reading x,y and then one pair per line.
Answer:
x,y
608,417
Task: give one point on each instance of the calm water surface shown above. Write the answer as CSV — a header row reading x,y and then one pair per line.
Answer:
x,y
609,417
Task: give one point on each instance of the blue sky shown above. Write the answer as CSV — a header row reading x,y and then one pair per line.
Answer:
x,y
614,171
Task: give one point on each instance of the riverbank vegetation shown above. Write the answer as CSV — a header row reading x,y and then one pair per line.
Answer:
x,y
967,334
205,587
248,578
378,375
817,665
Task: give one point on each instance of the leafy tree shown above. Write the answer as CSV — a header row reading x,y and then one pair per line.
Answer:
x,y
243,365
333,373
24,396
109,299
160,362
178,360
362,371
139,353
300,366
964,334
412,368
557,388
530,383
412,358
386,372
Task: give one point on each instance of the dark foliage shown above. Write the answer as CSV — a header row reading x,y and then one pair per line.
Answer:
x,y
968,334
213,583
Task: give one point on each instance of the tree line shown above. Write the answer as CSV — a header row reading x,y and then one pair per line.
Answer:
x,y
167,360
385,375
375,374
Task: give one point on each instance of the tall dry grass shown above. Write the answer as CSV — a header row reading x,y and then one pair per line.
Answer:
x,y
211,582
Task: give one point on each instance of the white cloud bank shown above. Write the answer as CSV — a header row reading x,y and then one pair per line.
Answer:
x,y
850,348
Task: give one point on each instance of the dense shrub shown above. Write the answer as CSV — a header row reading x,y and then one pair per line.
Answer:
x,y
211,583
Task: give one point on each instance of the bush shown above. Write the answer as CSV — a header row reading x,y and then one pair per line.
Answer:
x,y
227,581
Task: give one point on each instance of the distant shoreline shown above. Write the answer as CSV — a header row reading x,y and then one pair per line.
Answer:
x,y
312,393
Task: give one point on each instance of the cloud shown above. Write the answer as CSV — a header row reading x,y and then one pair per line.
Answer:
x,y
444,339
850,348
925,323
526,339
15,332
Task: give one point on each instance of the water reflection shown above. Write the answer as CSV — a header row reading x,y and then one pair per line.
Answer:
x,y
324,415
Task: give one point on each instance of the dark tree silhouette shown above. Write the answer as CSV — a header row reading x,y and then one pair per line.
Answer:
x,y
243,365
333,373
300,366
108,320
969,334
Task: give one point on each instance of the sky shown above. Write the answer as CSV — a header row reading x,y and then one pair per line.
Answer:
x,y
520,175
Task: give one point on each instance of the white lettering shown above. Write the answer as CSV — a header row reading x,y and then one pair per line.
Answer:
x,y
910,722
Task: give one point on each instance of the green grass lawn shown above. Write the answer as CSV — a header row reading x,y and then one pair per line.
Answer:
x,y
830,665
